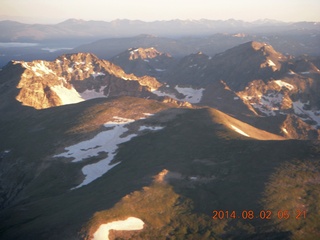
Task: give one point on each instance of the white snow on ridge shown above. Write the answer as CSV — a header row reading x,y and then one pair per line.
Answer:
x,y
268,104
271,63
192,95
306,114
104,142
284,84
91,94
150,128
239,131
67,96
94,74
42,67
39,68
130,223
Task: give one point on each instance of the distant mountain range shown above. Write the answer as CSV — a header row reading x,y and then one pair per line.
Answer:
x,y
93,30
177,37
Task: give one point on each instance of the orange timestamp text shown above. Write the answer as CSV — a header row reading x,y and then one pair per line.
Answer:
x,y
263,214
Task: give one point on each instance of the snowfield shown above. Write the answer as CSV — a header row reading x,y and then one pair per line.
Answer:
x,y
70,96
313,115
104,142
284,84
67,96
39,69
268,104
239,131
91,94
191,95
94,74
150,128
130,223
271,63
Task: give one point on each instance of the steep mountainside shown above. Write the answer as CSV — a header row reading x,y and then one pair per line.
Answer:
x,y
71,79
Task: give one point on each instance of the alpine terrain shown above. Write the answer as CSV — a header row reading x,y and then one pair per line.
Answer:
x,y
150,145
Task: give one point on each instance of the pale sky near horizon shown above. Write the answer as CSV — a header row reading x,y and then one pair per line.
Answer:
x,y
54,11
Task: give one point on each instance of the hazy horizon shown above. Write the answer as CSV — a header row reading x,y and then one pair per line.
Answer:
x,y
48,12
25,21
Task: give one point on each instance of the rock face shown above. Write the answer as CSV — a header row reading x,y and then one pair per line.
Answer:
x,y
74,78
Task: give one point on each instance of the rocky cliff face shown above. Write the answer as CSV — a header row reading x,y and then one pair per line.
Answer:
x,y
74,78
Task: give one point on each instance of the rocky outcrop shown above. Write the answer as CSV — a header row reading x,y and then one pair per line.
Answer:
x,y
293,127
77,77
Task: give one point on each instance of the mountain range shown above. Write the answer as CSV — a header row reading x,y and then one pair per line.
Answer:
x,y
148,145
179,38
74,28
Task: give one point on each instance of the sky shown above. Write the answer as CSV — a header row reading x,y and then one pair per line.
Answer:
x,y
55,11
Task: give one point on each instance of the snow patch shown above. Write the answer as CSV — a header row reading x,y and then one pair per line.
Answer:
x,y
148,114
160,70
313,115
91,94
130,223
67,96
94,74
239,131
271,63
285,130
268,104
192,95
164,94
284,84
39,68
150,128
106,141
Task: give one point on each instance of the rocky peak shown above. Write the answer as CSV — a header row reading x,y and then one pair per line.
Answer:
x,y
74,78
143,53
144,61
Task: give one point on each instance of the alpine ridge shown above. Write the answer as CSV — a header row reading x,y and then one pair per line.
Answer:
x,y
74,78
